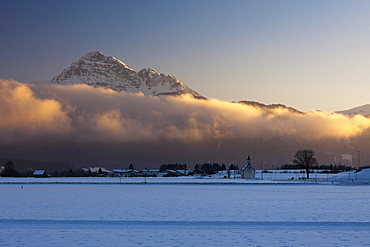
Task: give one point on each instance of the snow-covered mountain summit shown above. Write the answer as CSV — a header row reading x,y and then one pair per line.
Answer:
x,y
361,110
99,70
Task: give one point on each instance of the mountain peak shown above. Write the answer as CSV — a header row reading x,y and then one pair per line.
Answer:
x,y
99,70
97,56
92,54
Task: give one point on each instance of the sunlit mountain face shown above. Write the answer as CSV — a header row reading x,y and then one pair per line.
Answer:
x,y
99,70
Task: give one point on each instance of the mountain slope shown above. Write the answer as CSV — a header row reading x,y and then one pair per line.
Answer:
x,y
99,70
268,107
361,110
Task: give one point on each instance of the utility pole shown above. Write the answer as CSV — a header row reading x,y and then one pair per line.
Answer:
x,y
261,170
358,162
358,159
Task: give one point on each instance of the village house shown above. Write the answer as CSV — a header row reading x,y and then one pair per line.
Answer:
x,y
149,172
40,174
125,172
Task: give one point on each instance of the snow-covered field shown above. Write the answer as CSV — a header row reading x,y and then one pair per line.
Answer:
x,y
271,177
81,212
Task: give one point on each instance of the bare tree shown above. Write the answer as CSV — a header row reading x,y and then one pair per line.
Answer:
x,y
305,159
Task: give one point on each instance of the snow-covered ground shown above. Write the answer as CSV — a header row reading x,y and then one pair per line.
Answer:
x,y
271,177
83,212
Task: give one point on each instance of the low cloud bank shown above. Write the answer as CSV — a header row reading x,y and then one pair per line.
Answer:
x,y
80,114
25,116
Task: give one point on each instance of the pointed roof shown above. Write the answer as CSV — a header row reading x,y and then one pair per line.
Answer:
x,y
247,166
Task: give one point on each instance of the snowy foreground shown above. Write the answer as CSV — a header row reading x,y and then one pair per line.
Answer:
x,y
272,177
96,212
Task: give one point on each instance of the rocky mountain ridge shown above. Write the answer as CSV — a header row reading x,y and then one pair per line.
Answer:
x,y
99,70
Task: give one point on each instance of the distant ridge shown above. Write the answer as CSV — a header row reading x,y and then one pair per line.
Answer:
x,y
360,110
268,107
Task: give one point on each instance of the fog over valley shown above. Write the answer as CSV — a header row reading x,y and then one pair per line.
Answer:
x,y
83,125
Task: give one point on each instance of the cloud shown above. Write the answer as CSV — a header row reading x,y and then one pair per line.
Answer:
x,y
79,121
83,114
23,115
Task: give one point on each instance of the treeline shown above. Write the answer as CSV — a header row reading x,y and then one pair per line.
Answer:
x,y
213,168
9,170
205,168
79,173
25,166
174,167
328,168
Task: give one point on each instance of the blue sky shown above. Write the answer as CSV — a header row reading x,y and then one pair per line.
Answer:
x,y
304,54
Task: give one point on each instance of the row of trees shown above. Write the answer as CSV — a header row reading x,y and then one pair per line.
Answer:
x,y
327,168
303,159
78,173
212,168
207,168
10,171
174,167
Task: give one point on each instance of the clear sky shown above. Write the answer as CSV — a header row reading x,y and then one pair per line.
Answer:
x,y
304,54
